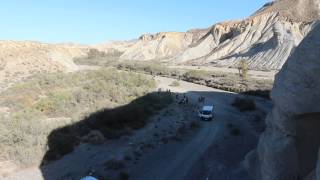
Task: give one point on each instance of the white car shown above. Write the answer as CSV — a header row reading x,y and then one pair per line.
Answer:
x,y
206,113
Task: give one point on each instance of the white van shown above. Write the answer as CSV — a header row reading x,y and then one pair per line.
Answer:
x,y
206,113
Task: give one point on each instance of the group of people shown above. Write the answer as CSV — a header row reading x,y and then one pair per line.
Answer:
x,y
167,91
201,99
184,100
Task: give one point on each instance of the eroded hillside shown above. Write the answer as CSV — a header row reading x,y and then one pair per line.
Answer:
x,y
24,58
265,39
288,149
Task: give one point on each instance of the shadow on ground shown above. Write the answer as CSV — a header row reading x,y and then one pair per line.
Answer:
x,y
111,124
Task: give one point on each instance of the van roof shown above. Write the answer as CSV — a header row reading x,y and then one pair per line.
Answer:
x,y
207,108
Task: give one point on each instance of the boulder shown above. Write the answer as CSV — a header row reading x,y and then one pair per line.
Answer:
x,y
288,149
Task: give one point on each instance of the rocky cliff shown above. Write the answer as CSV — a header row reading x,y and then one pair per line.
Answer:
x,y
158,46
288,149
265,39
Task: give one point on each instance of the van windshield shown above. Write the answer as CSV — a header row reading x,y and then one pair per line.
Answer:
x,y
206,112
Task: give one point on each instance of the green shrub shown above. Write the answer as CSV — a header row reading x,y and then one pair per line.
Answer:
x,y
196,75
114,164
194,124
235,131
99,58
123,175
244,104
152,68
175,84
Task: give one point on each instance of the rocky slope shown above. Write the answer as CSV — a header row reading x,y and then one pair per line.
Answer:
x,y
20,59
158,46
288,149
265,39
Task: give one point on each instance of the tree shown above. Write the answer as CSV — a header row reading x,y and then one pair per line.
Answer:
x,y
243,69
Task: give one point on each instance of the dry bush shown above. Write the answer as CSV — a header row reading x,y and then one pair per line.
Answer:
x,y
114,164
243,69
235,131
194,124
196,75
152,68
99,58
123,175
175,84
244,104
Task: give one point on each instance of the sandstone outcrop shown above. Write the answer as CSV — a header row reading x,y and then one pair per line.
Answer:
x,y
265,39
158,46
288,149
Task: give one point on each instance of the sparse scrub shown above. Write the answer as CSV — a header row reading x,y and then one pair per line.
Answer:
x,y
99,58
226,81
196,75
261,93
243,69
194,124
49,101
151,68
112,123
235,131
219,80
127,158
182,129
123,175
244,104
114,164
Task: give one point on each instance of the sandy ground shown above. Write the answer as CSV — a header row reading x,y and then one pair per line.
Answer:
x,y
159,151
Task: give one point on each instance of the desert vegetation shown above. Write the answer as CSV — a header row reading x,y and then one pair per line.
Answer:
x,y
243,69
219,80
98,58
244,104
175,84
49,101
240,83
107,123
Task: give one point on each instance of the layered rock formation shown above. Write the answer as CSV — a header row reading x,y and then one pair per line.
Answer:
x,y
158,46
288,149
265,39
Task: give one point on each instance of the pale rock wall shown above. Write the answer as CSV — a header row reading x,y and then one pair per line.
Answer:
x,y
287,150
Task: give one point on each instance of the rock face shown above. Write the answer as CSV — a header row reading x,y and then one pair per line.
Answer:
x,y
288,149
265,39
158,46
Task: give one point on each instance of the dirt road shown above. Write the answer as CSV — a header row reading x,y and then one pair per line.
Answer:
x,y
175,162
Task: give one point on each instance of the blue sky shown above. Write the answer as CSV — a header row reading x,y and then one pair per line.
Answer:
x,y
97,21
